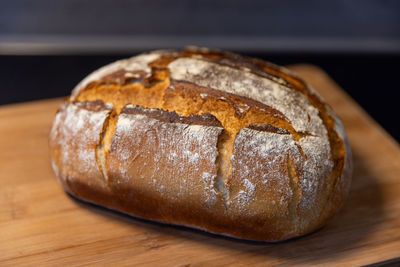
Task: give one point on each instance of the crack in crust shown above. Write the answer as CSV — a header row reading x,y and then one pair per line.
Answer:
x,y
223,167
103,147
173,117
296,192
100,151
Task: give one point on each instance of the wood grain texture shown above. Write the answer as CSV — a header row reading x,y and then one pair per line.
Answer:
x,y
41,225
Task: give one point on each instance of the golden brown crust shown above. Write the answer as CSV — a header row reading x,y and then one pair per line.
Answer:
x,y
210,140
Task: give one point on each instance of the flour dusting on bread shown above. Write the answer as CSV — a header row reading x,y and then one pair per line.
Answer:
x,y
76,131
191,157
137,63
291,103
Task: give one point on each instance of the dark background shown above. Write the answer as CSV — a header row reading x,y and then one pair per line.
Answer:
x,y
46,47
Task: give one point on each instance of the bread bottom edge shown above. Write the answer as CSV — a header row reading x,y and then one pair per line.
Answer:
x,y
185,227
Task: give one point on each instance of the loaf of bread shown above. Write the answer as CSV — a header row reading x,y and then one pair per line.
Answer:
x,y
206,139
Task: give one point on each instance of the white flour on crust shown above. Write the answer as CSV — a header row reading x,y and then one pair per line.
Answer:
x,y
295,106
76,131
170,150
137,63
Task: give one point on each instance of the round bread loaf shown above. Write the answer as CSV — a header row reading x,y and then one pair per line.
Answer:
x,y
211,140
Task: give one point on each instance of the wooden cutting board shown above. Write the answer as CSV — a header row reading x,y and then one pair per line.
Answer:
x,y
41,225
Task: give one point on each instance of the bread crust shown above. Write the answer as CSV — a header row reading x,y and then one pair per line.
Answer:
x,y
204,139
